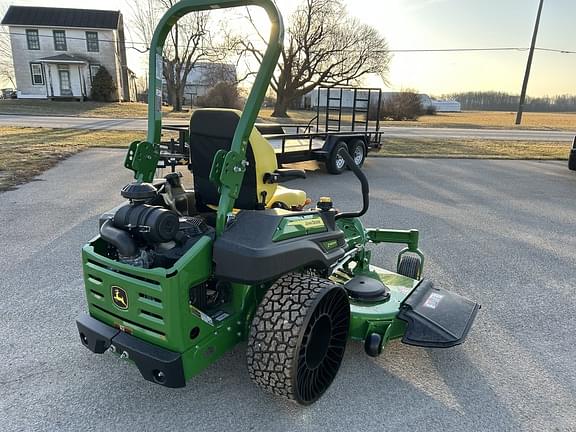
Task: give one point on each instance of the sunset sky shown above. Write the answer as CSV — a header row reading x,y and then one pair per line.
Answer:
x,y
442,24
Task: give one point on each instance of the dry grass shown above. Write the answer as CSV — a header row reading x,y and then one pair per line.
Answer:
x,y
81,109
469,119
27,152
472,148
496,119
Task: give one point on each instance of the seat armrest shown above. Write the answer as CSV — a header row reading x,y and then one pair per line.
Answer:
x,y
282,175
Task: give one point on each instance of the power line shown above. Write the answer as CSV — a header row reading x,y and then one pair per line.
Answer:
x,y
556,50
420,50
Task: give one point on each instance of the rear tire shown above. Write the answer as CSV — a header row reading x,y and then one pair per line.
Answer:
x,y
358,152
410,266
335,164
572,160
298,337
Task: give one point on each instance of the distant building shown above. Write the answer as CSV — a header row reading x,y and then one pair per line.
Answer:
x,y
57,51
204,76
319,97
440,105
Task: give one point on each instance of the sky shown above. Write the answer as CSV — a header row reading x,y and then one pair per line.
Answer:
x,y
447,24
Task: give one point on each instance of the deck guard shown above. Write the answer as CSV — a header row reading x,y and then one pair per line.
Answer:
x,y
436,317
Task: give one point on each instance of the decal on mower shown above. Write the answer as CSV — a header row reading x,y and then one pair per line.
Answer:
x,y
433,300
307,222
119,297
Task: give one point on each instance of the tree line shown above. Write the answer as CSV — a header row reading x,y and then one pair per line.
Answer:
x,y
501,101
324,45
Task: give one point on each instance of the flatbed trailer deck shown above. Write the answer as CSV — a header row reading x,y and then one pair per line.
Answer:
x,y
321,139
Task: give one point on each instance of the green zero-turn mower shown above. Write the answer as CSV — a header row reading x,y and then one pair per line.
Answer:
x,y
178,277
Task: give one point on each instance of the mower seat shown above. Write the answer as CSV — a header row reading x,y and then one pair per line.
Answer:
x,y
212,130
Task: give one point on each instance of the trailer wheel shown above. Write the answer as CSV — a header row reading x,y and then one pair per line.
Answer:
x,y
357,150
572,160
335,163
298,337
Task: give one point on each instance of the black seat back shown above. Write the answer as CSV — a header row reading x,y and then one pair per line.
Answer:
x,y
212,130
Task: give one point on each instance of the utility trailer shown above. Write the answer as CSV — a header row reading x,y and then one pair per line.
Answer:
x,y
342,122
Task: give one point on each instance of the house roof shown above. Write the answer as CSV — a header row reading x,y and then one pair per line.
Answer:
x,y
61,17
64,58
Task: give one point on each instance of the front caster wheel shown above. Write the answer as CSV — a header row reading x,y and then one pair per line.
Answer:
x,y
373,345
298,337
410,266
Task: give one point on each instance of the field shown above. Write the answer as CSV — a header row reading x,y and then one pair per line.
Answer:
x,y
473,148
27,152
469,119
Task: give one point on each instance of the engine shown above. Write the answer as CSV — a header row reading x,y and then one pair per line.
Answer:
x,y
145,232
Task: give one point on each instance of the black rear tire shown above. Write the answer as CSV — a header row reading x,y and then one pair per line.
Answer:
x,y
410,266
298,337
572,160
335,164
357,150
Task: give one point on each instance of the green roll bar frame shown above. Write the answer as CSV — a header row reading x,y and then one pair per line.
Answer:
x,y
228,167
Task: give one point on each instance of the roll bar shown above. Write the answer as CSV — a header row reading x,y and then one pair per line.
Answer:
x,y
228,169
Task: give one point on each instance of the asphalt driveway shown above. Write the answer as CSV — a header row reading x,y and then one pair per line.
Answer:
x,y
501,232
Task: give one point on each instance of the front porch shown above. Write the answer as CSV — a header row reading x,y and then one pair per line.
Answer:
x,y
67,77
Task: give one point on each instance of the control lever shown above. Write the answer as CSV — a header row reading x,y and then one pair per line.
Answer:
x,y
363,181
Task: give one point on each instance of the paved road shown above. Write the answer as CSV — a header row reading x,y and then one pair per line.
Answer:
x,y
501,232
389,131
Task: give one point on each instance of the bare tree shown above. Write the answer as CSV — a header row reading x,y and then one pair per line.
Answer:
x,y
6,64
324,46
188,43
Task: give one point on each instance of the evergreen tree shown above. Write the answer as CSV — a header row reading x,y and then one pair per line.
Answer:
x,y
103,87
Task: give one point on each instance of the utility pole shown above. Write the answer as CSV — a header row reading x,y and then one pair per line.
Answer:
x,y
528,66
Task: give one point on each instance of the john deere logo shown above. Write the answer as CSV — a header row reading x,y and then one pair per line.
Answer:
x,y
119,297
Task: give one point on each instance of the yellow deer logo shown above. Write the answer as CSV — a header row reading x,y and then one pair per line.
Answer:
x,y
119,297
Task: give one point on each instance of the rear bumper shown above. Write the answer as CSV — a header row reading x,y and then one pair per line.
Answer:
x,y
156,364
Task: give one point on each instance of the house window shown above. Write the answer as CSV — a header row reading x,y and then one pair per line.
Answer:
x,y
94,68
59,40
37,73
92,42
33,39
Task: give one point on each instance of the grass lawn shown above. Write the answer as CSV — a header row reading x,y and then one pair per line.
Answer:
x,y
81,109
27,152
468,119
473,148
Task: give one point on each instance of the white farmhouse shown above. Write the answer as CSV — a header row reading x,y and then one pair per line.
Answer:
x,y
57,51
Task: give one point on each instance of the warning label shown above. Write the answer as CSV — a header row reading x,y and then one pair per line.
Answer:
x,y
433,300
